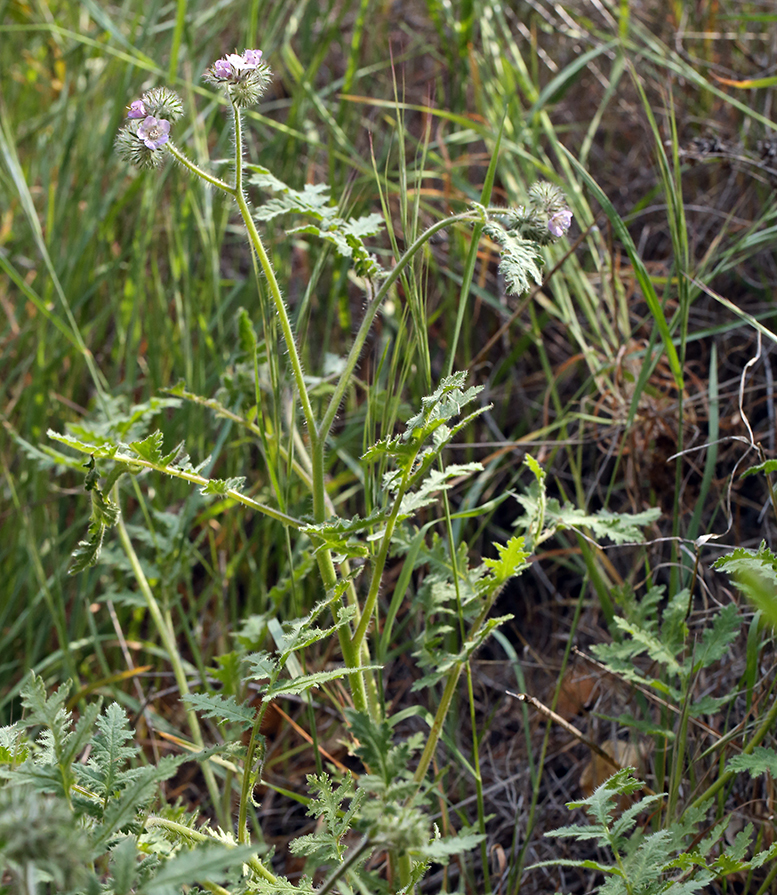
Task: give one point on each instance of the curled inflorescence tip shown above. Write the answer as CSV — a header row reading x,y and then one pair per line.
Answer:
x,y
148,127
245,76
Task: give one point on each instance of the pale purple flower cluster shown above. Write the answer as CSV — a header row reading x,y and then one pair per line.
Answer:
x,y
148,127
153,132
235,68
558,223
245,75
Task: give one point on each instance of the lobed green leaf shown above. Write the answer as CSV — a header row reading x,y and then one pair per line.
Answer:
x,y
225,709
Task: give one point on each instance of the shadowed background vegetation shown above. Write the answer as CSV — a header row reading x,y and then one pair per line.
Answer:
x,y
116,285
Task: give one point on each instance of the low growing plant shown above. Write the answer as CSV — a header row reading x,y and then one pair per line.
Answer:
x,y
683,858
688,838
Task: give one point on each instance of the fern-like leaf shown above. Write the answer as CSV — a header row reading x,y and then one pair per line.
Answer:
x,y
299,685
521,262
149,448
226,710
512,561
760,761
105,773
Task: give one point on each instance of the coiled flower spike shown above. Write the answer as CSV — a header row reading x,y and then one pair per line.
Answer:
x,y
245,76
141,140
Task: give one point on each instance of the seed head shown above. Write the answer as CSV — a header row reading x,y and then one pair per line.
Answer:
x,y
162,102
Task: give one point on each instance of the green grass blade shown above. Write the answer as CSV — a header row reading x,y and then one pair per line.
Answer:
x,y
469,264
640,271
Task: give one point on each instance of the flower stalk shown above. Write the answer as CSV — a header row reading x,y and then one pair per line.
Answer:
x,y
520,232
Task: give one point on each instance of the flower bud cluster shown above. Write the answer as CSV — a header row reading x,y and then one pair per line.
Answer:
x,y
245,76
142,139
544,219
551,204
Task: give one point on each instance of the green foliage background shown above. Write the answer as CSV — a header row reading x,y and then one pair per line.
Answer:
x,y
114,286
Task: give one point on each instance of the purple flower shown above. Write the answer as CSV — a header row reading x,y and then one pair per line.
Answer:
x,y
247,62
154,132
558,224
237,62
137,109
222,69
252,58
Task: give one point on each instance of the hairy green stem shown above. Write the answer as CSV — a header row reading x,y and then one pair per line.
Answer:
x,y
380,562
363,687
352,657
405,866
215,888
447,696
272,281
769,881
478,784
193,835
348,863
196,479
196,169
322,432
439,719
246,789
